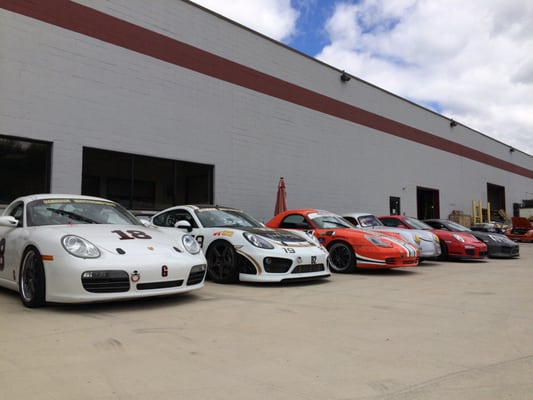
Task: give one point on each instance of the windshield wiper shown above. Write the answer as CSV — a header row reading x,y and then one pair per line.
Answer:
x,y
72,215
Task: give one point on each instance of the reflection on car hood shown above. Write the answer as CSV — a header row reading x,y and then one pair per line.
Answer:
x,y
279,235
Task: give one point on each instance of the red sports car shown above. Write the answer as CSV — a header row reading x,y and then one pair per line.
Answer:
x,y
349,247
454,244
521,231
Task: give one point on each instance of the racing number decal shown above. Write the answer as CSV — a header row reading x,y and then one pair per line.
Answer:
x,y
2,250
200,240
134,235
289,250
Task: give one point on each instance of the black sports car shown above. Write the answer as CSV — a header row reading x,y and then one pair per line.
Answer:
x,y
498,245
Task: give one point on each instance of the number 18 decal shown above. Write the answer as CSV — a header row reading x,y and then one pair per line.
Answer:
x,y
132,235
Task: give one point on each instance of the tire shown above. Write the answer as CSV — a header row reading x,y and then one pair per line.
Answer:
x,y
341,258
443,251
222,262
32,283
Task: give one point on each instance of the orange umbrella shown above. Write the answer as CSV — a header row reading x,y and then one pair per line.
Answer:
x,y
281,200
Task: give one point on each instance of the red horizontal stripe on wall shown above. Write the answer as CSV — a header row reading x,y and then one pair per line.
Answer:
x,y
87,21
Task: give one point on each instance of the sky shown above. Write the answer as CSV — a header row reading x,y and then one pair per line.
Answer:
x,y
471,61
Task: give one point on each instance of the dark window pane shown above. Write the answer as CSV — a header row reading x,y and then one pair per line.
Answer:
x,y
24,168
145,183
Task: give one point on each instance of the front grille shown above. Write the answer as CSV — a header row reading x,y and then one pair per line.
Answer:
x,y
197,274
105,281
390,261
510,250
159,285
276,265
470,252
246,266
301,269
483,253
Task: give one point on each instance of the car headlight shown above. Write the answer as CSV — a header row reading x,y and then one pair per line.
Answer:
x,y
190,244
257,241
417,239
79,247
377,241
459,238
436,238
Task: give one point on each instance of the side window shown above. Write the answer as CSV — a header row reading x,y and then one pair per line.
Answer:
x,y
183,215
295,221
169,219
17,211
351,220
390,222
161,219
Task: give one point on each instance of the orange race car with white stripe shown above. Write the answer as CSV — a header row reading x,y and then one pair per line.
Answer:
x,y
349,247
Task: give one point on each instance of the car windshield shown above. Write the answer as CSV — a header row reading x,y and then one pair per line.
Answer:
x,y
369,220
325,220
457,227
417,224
77,211
216,218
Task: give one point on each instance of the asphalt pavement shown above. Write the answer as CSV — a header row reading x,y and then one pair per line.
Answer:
x,y
443,330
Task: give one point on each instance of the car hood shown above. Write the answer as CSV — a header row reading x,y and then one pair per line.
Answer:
x,y
486,236
279,235
132,239
521,222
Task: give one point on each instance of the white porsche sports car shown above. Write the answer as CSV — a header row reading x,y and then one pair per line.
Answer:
x,y
238,247
73,249
426,241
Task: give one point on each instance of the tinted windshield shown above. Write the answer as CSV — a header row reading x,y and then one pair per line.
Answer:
x,y
325,220
77,211
417,224
214,218
369,220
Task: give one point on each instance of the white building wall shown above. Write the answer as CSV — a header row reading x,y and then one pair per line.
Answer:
x,y
75,91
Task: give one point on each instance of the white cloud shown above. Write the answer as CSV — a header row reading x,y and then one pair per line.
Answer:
x,y
474,59
471,61
273,18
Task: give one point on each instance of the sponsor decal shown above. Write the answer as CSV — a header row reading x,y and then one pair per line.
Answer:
x,y
56,201
98,202
224,233
164,271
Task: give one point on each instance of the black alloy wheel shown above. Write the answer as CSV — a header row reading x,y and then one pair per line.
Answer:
x,y
32,285
222,262
341,258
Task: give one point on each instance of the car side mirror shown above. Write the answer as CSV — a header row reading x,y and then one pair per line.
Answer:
x,y
8,220
183,225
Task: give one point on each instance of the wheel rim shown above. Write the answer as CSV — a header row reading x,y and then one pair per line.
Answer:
x,y
340,257
28,276
221,261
